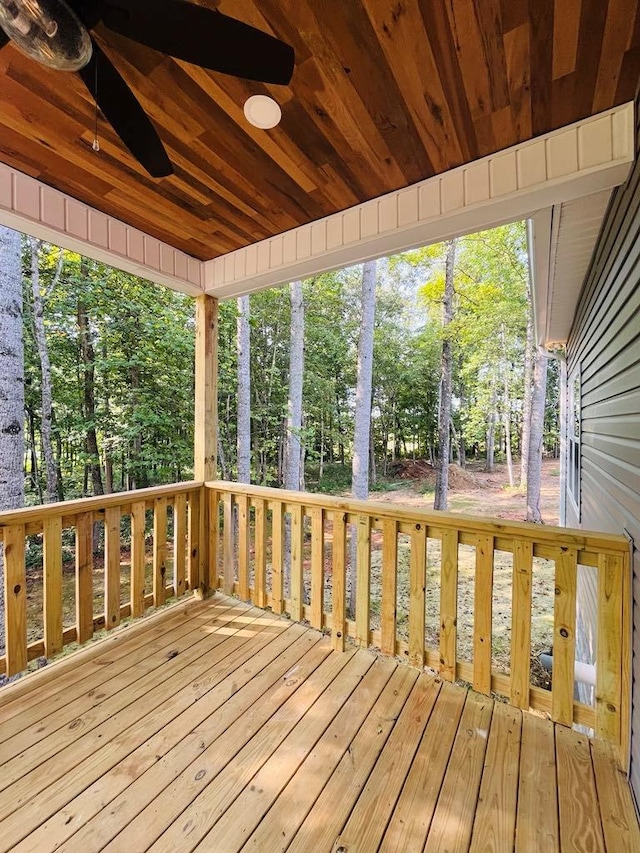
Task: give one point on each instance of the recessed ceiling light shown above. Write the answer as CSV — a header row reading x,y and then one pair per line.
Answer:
x,y
262,111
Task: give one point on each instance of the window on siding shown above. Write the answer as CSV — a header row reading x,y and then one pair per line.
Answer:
x,y
573,440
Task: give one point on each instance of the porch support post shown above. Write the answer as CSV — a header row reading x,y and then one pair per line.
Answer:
x,y
206,418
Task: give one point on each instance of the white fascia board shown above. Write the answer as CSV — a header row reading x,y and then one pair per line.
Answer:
x,y
32,207
569,163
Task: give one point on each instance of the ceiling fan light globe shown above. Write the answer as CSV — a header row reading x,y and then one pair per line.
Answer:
x,y
47,31
262,111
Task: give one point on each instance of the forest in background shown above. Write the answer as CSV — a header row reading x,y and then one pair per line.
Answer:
x,y
109,371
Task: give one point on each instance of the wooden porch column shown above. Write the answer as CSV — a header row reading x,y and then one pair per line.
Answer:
x,y
206,419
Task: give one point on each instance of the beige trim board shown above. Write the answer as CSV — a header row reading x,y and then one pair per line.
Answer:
x,y
28,205
575,161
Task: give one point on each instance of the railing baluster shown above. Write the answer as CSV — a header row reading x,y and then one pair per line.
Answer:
x,y
260,559
277,554
159,550
363,579
179,538
243,546
449,605
338,580
417,584
564,636
483,615
52,585
112,566
228,544
84,576
609,647
194,524
138,557
297,579
15,599
214,538
317,566
521,623
389,586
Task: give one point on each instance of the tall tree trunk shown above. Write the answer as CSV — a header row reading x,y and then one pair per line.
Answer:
x,y
11,387
491,430
244,390
293,456
526,403
362,427
440,500
534,472
222,459
507,431
89,371
51,472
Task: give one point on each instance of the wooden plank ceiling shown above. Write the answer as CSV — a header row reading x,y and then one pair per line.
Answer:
x,y
385,93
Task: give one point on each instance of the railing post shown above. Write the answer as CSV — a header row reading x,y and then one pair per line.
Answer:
x,y
363,579
260,574
52,585
417,584
521,623
112,567
84,576
564,636
243,546
483,615
179,539
194,527
609,648
206,420
277,557
159,550
15,599
138,524
449,605
338,597
317,567
297,540
389,586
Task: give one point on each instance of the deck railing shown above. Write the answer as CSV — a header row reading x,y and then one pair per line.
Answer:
x,y
425,583
256,532
73,594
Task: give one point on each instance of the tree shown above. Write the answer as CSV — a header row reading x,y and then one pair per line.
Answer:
x,y
362,425
11,386
440,500
244,390
526,405
294,451
51,468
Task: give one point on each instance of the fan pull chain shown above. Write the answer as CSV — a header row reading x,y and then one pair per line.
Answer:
x,y
96,141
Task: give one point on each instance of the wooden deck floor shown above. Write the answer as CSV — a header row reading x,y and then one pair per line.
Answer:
x,y
218,727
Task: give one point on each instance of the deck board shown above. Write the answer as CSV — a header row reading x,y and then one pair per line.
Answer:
x,y
217,726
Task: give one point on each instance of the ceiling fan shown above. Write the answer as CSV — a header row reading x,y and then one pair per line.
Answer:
x,y
57,33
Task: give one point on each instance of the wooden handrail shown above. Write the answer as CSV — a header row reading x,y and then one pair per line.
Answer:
x,y
243,513
289,551
50,520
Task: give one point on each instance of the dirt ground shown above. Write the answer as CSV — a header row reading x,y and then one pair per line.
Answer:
x,y
474,491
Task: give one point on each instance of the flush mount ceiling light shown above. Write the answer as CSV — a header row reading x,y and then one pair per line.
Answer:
x,y
262,111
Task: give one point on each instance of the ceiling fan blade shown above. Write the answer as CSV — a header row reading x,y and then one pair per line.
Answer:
x,y
121,109
201,36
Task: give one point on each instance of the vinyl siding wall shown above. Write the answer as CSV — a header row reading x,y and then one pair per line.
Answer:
x,y
604,347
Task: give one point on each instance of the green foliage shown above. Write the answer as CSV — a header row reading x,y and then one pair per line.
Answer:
x,y
142,337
